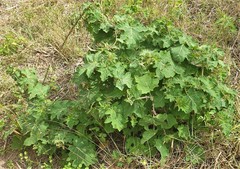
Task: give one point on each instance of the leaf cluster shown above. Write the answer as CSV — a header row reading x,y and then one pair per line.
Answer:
x,y
10,44
150,82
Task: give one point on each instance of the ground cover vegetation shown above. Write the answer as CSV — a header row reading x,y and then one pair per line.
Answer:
x,y
153,84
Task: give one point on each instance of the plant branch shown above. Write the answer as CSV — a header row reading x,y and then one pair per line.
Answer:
x,y
71,30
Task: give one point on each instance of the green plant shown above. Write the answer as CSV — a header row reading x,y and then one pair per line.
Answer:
x,y
194,154
149,82
226,27
10,44
24,157
10,164
154,80
49,164
226,23
41,124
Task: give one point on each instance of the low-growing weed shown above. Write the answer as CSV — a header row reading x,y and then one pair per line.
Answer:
x,y
10,44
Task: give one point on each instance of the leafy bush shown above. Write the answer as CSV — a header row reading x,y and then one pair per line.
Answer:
x,y
150,82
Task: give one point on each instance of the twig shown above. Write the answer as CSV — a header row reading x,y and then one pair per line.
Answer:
x,y
235,41
46,74
71,30
144,97
236,78
18,165
12,7
216,161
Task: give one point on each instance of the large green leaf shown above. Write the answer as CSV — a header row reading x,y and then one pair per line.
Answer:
x,y
162,148
121,77
82,152
30,140
131,35
124,80
183,131
146,83
147,135
190,101
115,119
164,65
179,53
105,73
59,109
159,99
39,91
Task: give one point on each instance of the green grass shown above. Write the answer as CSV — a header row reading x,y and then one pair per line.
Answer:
x,y
32,34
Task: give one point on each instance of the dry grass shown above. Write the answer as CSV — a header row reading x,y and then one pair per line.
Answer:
x,y
44,24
